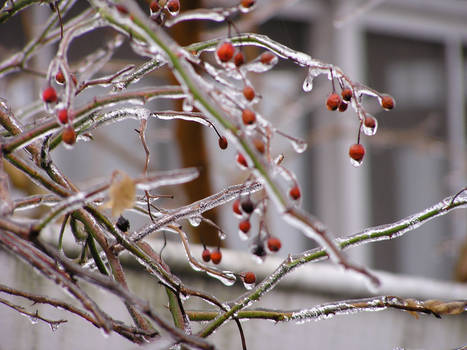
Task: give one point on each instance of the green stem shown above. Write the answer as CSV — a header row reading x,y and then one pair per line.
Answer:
x,y
175,309
95,255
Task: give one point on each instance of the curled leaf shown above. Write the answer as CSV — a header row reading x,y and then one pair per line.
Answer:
x,y
122,194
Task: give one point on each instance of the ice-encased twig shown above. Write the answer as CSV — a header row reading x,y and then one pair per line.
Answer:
x,y
197,208
441,208
145,183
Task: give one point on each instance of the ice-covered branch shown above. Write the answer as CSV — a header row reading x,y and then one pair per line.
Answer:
x,y
436,308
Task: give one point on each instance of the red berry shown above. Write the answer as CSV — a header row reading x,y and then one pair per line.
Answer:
x,y
259,145
274,244
249,277
239,59
223,142
248,116
247,3
248,206
346,94
244,226
295,193
241,160
122,9
206,255
225,51
173,5
249,92
236,207
49,95
387,102
343,106
333,101
267,57
216,256
356,152
63,116
370,122
154,6
69,135
59,77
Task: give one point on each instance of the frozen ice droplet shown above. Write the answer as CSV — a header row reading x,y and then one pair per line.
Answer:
x,y
242,235
369,125
195,221
222,235
187,104
248,286
299,145
308,83
356,163
54,326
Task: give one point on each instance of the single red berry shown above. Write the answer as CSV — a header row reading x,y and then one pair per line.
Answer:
x,y
223,142
241,160
248,206
387,102
49,95
274,244
206,255
249,277
244,226
249,92
267,57
346,94
69,135
247,3
333,101
236,207
122,9
239,59
370,122
225,51
248,116
216,256
60,77
259,145
343,106
173,5
295,193
356,152
154,6
63,116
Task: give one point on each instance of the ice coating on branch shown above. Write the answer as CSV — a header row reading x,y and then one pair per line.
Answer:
x,y
326,311
215,15
166,178
227,277
313,72
192,117
114,116
399,228
199,207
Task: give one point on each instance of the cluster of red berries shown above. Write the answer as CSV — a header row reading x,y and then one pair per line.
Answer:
x,y
214,256
49,95
335,102
246,208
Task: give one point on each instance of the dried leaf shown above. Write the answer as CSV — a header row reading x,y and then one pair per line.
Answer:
x,y
122,194
446,308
